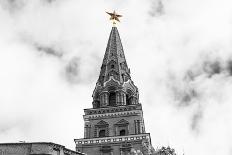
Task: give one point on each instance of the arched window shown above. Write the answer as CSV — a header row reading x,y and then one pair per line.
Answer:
x,y
121,128
122,132
112,99
101,129
102,133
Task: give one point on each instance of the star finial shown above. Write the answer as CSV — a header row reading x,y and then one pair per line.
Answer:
x,y
114,17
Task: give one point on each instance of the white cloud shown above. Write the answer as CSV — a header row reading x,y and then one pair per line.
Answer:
x,y
51,52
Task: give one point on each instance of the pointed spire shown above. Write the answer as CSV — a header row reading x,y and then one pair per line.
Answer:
x,y
114,62
114,86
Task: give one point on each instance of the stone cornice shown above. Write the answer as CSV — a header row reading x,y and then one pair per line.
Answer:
x,y
112,109
113,115
115,139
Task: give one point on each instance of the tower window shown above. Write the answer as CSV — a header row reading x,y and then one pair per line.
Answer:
x,y
122,132
127,100
112,99
102,133
112,66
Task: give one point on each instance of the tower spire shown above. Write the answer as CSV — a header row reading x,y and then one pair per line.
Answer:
x,y
114,62
114,86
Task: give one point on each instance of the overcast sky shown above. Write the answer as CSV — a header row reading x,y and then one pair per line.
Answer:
x,y
179,53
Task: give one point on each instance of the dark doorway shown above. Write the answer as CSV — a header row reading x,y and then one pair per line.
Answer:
x,y
102,133
112,99
122,132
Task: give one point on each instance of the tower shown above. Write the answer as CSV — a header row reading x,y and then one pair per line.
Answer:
x,y
115,125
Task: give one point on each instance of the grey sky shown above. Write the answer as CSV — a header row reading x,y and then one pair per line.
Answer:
x,y
179,53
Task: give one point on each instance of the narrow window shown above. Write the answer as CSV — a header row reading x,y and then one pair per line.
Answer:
x,y
127,100
112,99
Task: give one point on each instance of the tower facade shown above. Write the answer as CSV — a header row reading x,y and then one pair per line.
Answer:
x,y
115,125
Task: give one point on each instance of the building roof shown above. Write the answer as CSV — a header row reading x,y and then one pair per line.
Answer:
x,y
54,145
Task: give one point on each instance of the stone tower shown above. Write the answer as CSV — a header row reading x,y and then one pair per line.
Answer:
x,y
115,125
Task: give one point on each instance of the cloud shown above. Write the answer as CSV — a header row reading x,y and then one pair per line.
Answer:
x,y
50,1
229,67
196,120
157,8
72,70
51,53
13,6
49,50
